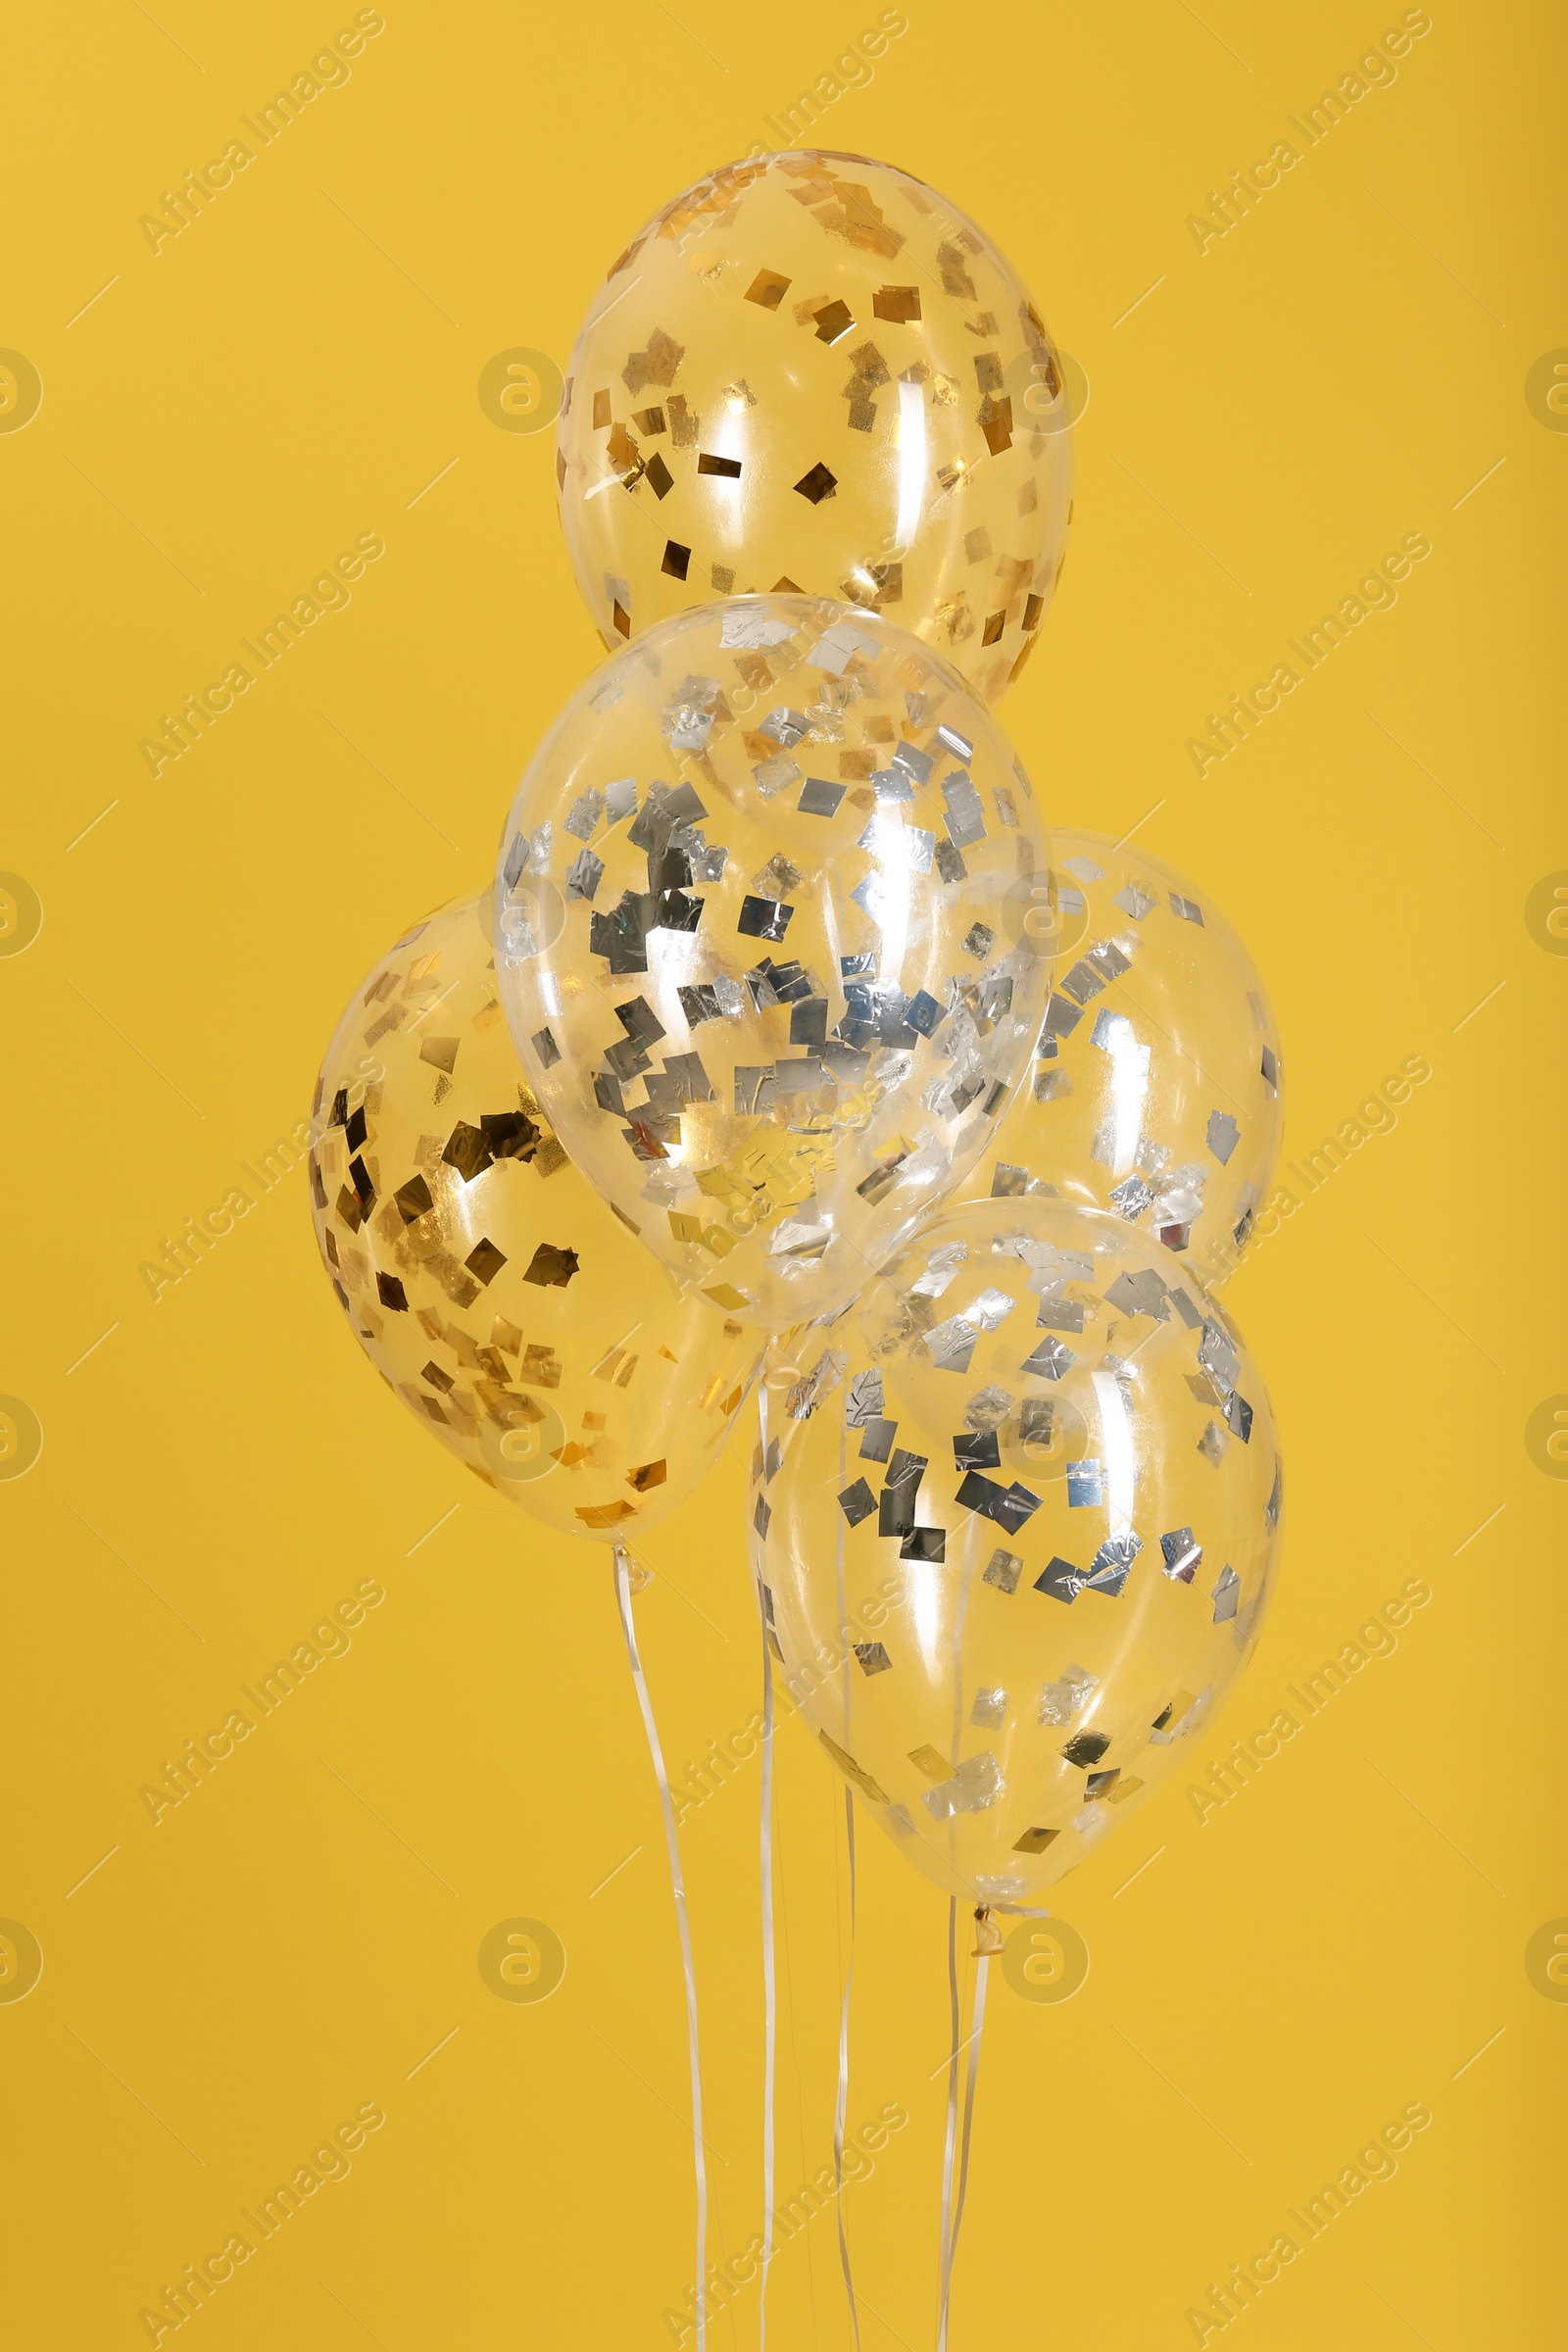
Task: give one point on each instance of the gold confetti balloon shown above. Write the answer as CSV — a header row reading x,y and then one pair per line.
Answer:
x,y
1014,1521
763,903
483,1277
810,373
1157,1090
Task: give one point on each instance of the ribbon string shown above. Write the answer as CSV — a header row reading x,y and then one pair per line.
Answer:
x,y
844,2084
977,2027
769,1988
952,2212
953,2118
678,1888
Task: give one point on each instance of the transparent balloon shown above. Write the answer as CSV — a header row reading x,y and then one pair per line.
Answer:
x,y
1158,1088
1014,1521
483,1277
762,898
810,373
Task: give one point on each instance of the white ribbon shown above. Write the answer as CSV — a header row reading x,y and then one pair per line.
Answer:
x,y
678,1888
978,2027
949,2228
770,1993
844,2082
952,2117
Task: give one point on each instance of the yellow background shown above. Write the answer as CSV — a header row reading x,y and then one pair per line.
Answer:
x,y
292,1941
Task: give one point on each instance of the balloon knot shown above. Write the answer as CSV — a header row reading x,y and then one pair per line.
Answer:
x,y
988,1936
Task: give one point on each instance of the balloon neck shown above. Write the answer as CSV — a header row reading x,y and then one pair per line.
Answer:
x,y
639,1576
986,1934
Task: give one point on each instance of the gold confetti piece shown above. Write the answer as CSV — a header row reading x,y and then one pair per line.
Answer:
x,y
413,1198
460,1344
440,1051
768,288
624,455
606,1515
724,1293
385,1022
550,1266
847,1765
931,1762
900,303
484,1261
995,422
647,1476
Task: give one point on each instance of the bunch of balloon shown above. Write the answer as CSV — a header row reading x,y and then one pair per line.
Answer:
x,y
786,1037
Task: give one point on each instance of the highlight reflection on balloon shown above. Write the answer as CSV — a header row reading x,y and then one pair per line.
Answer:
x,y
491,1288
1013,1522
1157,1090
810,373
762,901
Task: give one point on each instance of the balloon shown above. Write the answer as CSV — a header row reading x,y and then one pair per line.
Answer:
x,y
812,373
761,898
1014,1525
1158,1092
486,1281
